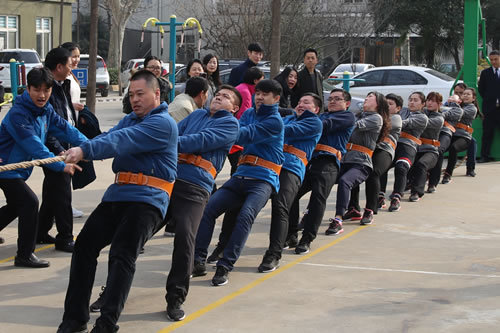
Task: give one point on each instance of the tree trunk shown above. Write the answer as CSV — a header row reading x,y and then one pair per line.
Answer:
x,y
275,37
91,84
456,57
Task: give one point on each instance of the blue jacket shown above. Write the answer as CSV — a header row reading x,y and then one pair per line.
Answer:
x,y
208,136
303,133
23,133
261,133
147,145
337,129
238,72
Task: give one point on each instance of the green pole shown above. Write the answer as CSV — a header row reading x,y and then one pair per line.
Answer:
x,y
471,33
173,52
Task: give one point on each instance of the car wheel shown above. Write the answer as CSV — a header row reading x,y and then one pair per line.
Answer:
x,y
104,93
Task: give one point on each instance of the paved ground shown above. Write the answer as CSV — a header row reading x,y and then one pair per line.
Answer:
x,y
432,267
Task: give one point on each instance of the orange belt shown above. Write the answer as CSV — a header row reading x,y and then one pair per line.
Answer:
x,y
361,149
256,160
410,137
389,141
198,161
297,152
122,178
450,126
331,150
432,142
466,128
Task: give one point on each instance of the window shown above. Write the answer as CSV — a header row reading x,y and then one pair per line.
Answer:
x,y
373,78
43,35
8,32
404,78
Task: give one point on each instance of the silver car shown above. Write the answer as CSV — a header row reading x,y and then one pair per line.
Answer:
x,y
102,75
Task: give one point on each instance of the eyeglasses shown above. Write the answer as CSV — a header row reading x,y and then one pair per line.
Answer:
x,y
335,99
154,68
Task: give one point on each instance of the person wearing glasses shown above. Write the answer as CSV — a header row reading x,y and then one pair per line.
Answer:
x,y
152,64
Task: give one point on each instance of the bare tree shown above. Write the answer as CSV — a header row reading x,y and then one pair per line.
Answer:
x,y
275,38
91,85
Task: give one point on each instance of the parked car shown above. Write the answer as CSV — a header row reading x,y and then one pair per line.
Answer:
x,y
352,69
30,57
102,75
125,74
401,80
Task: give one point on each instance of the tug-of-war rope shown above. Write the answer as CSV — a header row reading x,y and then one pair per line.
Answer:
x,y
29,164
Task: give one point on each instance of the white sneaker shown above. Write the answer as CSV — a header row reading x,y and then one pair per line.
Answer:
x,y
77,213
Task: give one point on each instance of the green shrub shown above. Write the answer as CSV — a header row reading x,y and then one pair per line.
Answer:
x,y
113,76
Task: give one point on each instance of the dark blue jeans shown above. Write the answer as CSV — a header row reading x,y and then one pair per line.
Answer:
x,y
249,196
350,175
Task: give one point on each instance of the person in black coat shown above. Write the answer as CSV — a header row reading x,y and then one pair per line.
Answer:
x,y
255,53
489,89
309,78
290,93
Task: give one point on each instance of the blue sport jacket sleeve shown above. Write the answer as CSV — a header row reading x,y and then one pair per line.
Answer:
x,y
258,132
341,121
306,127
208,139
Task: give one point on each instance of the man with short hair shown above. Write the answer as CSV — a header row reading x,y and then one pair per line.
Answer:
x,y
22,138
144,147
302,132
322,170
309,79
205,137
193,98
255,53
246,193
56,192
489,89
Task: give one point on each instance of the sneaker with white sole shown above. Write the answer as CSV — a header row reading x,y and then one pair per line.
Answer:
x,y
77,213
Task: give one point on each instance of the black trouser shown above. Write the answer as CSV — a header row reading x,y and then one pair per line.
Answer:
x,y
382,161
56,203
23,203
281,204
435,172
126,226
184,212
351,175
405,155
457,145
321,174
424,162
490,122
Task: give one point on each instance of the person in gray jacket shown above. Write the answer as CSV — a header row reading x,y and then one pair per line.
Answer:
x,y
463,134
409,140
427,152
371,127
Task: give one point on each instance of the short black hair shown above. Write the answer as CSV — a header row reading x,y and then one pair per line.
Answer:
x,y
39,76
56,56
396,98
255,47
70,46
267,86
420,95
191,63
233,89
196,85
149,77
494,52
347,95
317,100
252,74
461,85
149,58
311,50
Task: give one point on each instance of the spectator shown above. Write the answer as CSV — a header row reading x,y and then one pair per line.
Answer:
x,y
247,88
290,94
255,54
309,78
211,64
193,98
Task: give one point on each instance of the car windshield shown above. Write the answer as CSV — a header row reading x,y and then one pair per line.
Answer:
x,y
27,57
440,75
84,63
348,68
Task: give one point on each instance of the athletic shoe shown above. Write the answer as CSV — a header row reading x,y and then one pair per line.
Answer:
x,y
470,173
97,305
72,326
269,264
220,277
431,189
335,227
199,269
77,213
215,256
303,247
352,214
414,197
102,327
367,217
381,202
174,311
291,242
446,179
395,205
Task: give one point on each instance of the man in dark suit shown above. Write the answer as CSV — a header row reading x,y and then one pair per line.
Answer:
x,y
255,53
489,89
56,192
309,78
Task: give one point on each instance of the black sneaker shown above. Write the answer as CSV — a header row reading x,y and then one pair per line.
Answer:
x,y
470,173
199,269
414,197
367,217
269,264
291,242
101,327
303,247
381,202
215,256
395,205
220,277
71,326
352,214
97,305
175,312
446,179
335,227
431,189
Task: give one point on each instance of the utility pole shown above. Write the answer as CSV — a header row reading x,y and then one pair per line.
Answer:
x,y
78,21
91,84
61,16
275,37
